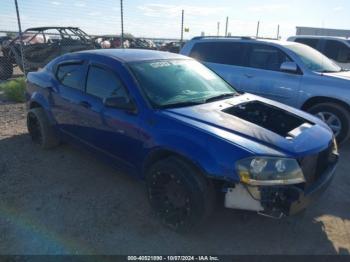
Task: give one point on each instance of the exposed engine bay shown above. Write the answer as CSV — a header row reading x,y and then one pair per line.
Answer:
x,y
270,117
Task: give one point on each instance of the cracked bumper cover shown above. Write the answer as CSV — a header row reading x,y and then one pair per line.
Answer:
x,y
276,201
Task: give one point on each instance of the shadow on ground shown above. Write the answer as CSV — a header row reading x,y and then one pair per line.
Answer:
x,y
66,201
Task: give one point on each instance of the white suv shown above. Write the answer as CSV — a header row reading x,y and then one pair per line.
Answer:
x,y
336,48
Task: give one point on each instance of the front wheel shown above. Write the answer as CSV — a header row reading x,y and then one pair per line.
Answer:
x,y
182,197
336,117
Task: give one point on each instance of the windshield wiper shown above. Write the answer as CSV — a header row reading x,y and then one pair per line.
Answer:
x,y
181,104
194,103
220,97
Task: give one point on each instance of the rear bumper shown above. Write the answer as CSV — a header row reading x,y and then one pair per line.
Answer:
x,y
278,201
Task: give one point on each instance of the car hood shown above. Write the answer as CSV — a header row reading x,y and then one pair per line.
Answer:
x,y
342,75
243,121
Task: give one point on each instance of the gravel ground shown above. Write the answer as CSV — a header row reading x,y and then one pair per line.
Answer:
x,y
64,201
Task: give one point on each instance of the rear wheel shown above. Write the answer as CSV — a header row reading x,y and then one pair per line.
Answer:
x,y
40,130
336,117
6,68
182,197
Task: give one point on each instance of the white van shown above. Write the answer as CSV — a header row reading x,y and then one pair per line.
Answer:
x,y
336,48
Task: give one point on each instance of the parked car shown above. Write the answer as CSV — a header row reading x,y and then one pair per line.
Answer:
x,y
141,43
291,73
110,41
173,47
40,46
173,122
335,48
4,39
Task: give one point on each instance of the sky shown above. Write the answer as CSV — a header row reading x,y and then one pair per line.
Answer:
x,y
155,18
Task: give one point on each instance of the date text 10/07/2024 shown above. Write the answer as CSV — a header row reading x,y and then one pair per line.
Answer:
x,y
173,258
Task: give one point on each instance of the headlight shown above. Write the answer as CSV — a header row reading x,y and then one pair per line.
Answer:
x,y
269,171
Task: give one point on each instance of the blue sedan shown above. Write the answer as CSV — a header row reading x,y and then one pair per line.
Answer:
x,y
192,137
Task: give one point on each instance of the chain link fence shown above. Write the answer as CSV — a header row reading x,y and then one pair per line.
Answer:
x,y
53,28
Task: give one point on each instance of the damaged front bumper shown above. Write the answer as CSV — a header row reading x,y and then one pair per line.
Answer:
x,y
278,201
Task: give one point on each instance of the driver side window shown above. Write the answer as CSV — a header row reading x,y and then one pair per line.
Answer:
x,y
103,84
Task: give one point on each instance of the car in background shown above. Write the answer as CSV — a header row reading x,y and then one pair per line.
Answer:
x,y
128,42
40,46
108,41
173,47
288,72
170,120
4,39
141,43
335,48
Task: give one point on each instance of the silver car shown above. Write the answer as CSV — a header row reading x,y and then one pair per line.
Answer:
x,y
291,73
335,48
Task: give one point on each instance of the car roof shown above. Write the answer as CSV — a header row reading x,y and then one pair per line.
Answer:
x,y
242,39
50,27
134,55
319,37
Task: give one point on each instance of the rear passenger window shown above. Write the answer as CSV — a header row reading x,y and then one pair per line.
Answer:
x,y
71,75
266,57
228,53
337,51
312,42
104,83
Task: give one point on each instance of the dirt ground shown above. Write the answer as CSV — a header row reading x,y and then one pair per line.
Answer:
x,y
64,201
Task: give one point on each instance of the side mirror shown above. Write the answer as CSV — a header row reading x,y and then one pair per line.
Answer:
x,y
289,67
119,103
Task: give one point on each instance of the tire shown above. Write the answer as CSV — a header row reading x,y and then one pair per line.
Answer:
x,y
181,196
40,130
342,116
6,68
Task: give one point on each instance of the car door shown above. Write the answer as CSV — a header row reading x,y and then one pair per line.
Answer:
x,y
67,96
263,75
337,51
223,57
112,130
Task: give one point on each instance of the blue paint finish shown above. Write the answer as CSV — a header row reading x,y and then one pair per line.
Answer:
x,y
203,134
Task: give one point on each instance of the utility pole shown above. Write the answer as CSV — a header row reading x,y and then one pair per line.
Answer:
x,y
182,25
226,28
257,29
20,37
278,32
218,29
122,24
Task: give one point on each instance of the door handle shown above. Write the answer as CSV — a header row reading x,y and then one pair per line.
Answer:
x,y
249,75
85,104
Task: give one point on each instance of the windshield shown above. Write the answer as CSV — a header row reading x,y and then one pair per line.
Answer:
x,y
313,59
170,83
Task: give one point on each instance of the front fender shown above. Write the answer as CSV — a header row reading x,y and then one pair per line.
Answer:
x,y
214,157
